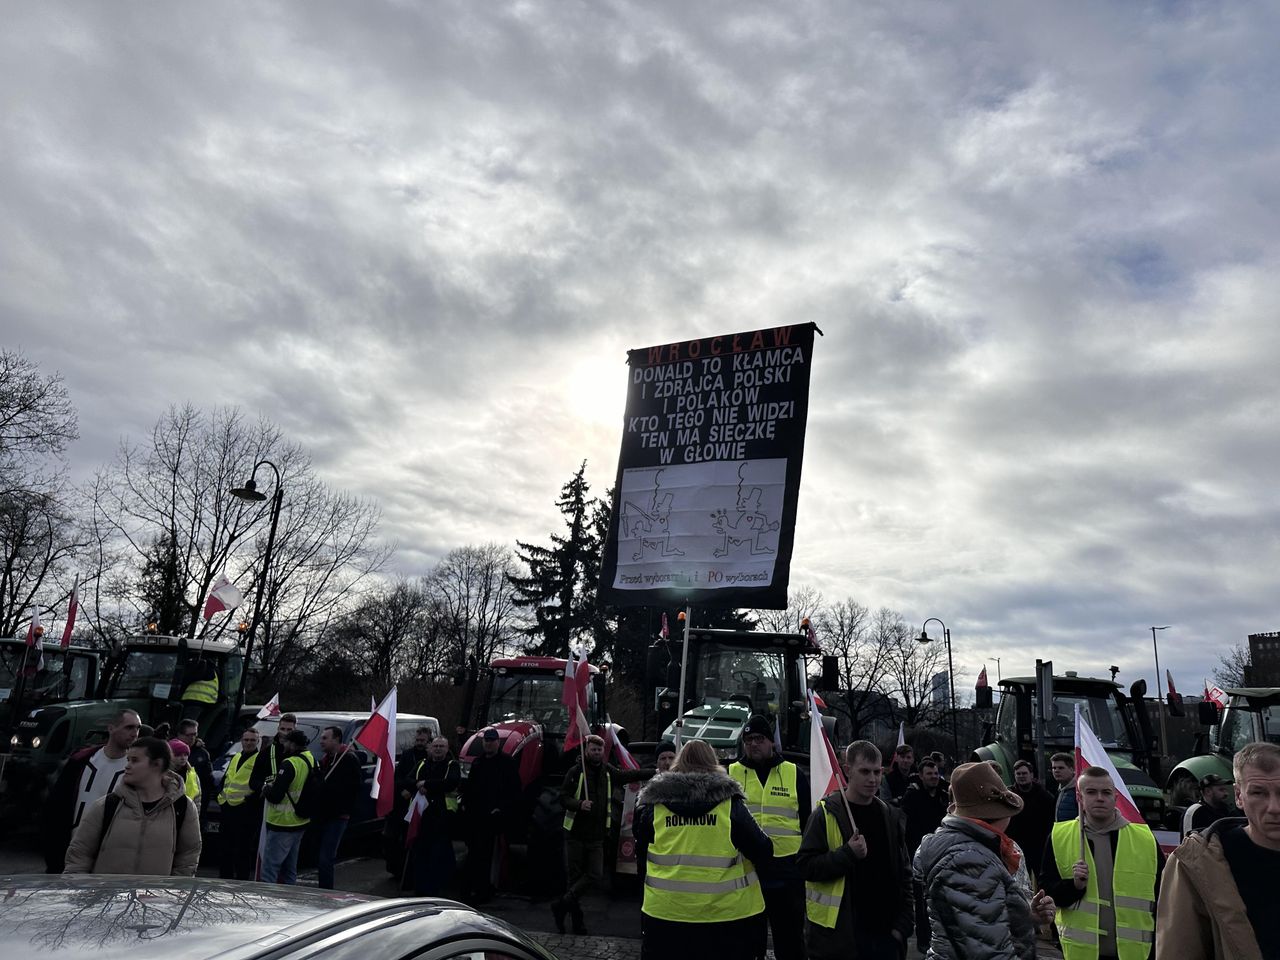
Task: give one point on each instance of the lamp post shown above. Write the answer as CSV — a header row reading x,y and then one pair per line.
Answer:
x,y
1164,730
951,677
252,494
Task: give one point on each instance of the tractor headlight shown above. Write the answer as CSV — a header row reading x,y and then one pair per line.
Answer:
x,y
15,741
35,743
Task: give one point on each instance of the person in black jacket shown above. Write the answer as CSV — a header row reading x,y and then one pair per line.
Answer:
x,y
1030,828
200,761
491,797
690,792
587,797
432,855
341,778
875,912
923,805
393,829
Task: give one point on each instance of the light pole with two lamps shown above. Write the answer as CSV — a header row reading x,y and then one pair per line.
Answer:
x,y
252,494
951,678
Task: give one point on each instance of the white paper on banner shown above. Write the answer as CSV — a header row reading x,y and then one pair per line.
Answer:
x,y
705,525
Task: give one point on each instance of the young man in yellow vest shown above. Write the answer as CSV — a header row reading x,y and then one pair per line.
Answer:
x,y
284,826
1107,897
858,897
778,798
587,797
241,808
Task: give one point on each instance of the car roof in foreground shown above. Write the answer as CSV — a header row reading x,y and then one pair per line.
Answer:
x,y
192,918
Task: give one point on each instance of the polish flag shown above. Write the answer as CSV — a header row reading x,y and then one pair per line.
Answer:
x,y
35,640
222,596
1217,695
1174,696
578,730
625,760
982,679
73,607
666,631
1091,753
825,775
414,819
271,708
378,736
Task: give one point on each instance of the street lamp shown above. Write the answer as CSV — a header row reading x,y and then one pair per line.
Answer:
x,y
250,492
1164,730
951,677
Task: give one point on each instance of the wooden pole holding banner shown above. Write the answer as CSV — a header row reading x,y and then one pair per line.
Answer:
x,y
684,673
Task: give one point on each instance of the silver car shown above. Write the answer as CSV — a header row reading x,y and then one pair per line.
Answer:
x,y
190,918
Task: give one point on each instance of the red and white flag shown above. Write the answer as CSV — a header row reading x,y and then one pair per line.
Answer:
x,y
612,744
666,631
1174,696
271,708
982,679
35,640
414,818
1216,694
73,607
579,730
577,677
378,736
1091,753
222,596
809,633
825,776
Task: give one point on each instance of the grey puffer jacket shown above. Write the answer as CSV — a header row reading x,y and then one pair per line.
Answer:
x,y
976,909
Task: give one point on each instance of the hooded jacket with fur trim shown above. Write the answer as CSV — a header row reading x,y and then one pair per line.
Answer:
x,y
695,793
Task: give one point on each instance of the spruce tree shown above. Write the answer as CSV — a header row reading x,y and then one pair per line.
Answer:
x,y
560,587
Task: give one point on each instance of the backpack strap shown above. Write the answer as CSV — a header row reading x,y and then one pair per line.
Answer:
x,y
110,804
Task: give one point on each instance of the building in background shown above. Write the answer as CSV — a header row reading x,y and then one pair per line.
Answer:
x,y
1264,655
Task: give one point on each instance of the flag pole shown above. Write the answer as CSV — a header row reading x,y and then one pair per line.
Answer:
x,y
1076,786
684,673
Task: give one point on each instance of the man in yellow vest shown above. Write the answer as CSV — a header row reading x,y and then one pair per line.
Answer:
x,y
241,807
778,798
285,825
587,797
200,689
1106,897
858,896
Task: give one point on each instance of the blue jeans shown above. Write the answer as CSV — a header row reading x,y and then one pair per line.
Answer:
x,y
280,856
330,834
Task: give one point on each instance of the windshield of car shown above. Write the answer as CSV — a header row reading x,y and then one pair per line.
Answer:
x,y
753,679
1241,726
146,673
56,682
1102,713
532,696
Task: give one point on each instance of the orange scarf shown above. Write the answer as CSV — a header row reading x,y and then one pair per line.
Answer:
x,y
1008,849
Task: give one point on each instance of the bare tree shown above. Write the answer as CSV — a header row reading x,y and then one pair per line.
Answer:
x,y
802,602
325,549
910,667
394,633
1231,668
478,601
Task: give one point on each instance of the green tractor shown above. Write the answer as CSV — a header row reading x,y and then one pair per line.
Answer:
x,y
148,675
26,685
731,675
1125,732
1252,715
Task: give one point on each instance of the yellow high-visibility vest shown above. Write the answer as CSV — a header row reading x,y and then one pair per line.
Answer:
x,y
694,874
235,784
569,815
191,786
1133,894
775,804
822,897
202,691
284,814
450,798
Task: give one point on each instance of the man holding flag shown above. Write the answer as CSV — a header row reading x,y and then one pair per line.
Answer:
x,y
1103,868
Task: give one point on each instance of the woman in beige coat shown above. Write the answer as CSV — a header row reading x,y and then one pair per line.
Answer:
x,y
146,826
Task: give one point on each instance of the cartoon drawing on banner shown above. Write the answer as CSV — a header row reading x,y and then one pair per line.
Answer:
x,y
757,523
639,521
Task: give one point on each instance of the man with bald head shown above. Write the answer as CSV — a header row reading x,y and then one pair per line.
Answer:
x,y
1103,873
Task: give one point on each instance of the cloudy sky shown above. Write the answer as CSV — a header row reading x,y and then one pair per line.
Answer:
x,y
1040,239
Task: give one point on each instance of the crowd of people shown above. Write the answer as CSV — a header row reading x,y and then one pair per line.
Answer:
x,y
731,859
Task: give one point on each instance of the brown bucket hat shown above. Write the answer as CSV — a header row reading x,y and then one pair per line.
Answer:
x,y
978,792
